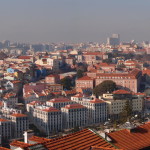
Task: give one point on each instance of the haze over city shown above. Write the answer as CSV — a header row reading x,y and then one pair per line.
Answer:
x,y
74,20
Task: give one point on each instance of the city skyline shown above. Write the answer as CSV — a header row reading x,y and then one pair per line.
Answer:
x,y
73,21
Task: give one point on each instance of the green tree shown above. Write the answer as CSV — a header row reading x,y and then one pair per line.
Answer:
x,y
104,87
66,82
127,111
109,61
79,73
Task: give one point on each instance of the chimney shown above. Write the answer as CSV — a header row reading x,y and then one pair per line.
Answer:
x,y
27,134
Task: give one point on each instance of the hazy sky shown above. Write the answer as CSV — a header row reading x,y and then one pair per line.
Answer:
x,y
74,20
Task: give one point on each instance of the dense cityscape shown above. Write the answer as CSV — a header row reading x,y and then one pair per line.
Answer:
x,y
75,96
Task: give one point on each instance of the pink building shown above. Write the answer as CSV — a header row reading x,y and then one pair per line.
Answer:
x,y
129,81
52,79
107,67
85,82
94,57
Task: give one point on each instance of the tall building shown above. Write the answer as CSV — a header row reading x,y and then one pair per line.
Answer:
x,y
74,115
113,40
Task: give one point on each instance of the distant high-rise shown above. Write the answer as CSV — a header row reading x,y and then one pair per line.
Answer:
x,y
114,40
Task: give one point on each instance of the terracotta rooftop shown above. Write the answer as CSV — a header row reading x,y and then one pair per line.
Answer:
x,y
24,57
19,115
3,148
146,71
106,65
20,144
70,92
94,53
59,100
3,120
133,74
35,102
137,139
51,109
84,139
102,148
85,78
79,95
53,75
121,92
74,106
79,140
38,139
96,100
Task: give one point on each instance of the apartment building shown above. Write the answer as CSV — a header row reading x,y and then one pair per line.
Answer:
x,y
116,105
5,129
47,119
97,108
74,115
59,102
85,82
129,80
19,124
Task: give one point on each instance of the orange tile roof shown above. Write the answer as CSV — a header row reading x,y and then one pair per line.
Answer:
x,y
70,92
85,78
35,102
18,115
51,109
140,94
102,148
53,75
74,106
79,95
133,74
121,92
147,71
3,120
24,57
15,81
130,61
59,100
20,144
106,65
38,139
138,139
94,53
96,100
79,140
3,148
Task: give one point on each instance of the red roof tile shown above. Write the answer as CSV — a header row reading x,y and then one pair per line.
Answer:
x,y
24,57
3,148
20,144
38,139
51,109
74,106
137,139
121,92
80,140
79,95
19,115
3,120
94,53
85,78
59,100
96,100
